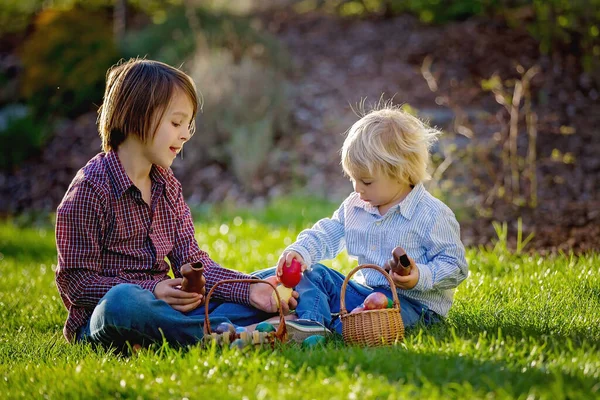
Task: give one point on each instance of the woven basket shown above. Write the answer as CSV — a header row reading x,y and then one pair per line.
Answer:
x,y
371,328
280,335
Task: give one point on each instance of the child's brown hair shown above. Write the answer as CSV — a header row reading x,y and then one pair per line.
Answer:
x,y
137,94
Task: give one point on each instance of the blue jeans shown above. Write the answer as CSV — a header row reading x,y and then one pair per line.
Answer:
x,y
129,313
320,292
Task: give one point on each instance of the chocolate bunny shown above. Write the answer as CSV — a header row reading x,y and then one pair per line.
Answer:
x,y
399,263
193,281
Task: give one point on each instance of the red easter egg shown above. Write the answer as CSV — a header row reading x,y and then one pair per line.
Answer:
x,y
291,275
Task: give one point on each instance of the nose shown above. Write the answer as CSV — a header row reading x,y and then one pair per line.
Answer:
x,y
185,134
357,187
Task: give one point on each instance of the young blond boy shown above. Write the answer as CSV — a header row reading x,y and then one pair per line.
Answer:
x,y
386,155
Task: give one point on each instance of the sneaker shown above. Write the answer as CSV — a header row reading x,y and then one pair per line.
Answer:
x,y
300,329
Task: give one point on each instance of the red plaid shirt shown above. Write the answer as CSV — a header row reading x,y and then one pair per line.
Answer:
x,y
106,235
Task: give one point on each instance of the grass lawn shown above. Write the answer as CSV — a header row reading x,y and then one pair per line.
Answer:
x,y
523,326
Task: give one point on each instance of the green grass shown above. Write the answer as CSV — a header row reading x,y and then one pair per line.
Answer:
x,y
523,326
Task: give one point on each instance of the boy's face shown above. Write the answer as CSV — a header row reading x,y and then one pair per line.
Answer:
x,y
173,131
380,190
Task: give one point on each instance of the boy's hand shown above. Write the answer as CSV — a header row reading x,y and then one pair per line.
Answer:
x,y
168,291
261,297
286,259
409,281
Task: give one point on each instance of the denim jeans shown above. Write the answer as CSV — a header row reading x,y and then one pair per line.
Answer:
x,y
129,313
319,300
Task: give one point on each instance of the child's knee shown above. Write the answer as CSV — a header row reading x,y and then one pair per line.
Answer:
x,y
316,271
125,292
122,302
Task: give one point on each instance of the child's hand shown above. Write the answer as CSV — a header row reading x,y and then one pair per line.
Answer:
x,y
408,281
285,260
261,297
168,291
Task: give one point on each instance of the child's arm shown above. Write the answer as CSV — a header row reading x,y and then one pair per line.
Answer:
x,y
286,260
186,250
446,267
324,241
80,226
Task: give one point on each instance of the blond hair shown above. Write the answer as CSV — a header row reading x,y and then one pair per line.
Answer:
x,y
391,141
137,94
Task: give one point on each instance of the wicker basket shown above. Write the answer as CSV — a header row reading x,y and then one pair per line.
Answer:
x,y
371,328
280,335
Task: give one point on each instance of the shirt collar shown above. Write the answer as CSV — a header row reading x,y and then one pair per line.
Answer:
x,y
122,182
164,177
406,207
118,176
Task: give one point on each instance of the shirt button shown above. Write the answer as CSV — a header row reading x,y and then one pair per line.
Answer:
x,y
373,247
151,230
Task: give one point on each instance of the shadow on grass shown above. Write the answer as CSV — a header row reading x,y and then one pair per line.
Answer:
x,y
467,328
449,372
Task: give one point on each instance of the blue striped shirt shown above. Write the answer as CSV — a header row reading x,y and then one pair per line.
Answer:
x,y
421,224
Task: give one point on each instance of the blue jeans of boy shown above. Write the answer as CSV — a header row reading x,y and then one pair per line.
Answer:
x,y
320,293
129,313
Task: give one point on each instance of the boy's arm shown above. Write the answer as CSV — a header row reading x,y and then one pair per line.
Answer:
x,y
80,226
186,250
324,241
447,266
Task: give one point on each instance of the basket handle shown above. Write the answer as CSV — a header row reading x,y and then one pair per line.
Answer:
x,y
355,270
280,333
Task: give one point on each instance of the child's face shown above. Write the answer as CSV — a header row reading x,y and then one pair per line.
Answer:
x,y
173,131
380,190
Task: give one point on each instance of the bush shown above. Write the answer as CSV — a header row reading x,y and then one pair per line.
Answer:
x,y
171,39
245,106
65,61
437,11
15,15
574,24
21,136
570,26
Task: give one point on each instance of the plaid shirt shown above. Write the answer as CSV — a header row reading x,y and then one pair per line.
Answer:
x,y
106,235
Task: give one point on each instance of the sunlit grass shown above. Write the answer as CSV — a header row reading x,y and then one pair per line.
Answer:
x,y
523,326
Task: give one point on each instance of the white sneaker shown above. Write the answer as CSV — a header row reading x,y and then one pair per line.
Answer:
x,y
300,329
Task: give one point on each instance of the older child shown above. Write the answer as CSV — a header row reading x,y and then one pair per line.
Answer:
x,y
386,155
124,214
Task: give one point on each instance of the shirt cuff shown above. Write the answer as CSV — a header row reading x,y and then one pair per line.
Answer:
x,y
425,278
241,292
305,254
238,292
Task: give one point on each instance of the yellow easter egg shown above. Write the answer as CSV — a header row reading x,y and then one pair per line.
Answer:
x,y
284,292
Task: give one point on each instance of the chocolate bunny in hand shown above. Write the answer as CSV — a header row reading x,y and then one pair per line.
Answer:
x,y
193,279
399,263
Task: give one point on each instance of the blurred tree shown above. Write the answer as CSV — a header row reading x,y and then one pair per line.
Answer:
x,y
119,19
21,136
65,61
